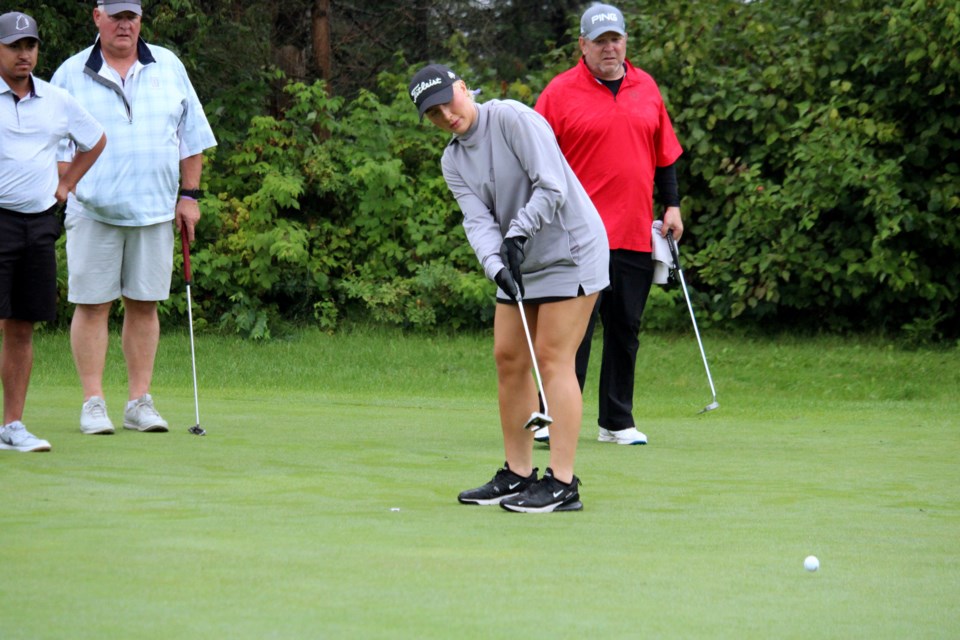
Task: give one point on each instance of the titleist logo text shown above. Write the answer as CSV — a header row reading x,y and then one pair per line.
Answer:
x,y
423,86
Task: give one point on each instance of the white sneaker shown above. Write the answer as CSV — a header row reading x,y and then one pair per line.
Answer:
x,y
94,418
140,415
15,437
624,436
542,435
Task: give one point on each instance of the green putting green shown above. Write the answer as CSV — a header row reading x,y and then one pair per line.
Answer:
x,y
322,502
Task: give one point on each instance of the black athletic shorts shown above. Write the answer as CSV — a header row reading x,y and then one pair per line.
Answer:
x,y
544,300
28,265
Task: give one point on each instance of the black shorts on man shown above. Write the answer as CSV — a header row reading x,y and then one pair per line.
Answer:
x,y
28,265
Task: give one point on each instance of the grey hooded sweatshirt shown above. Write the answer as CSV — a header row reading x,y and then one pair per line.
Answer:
x,y
511,179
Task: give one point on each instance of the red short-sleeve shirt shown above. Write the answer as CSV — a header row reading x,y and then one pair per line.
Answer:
x,y
613,145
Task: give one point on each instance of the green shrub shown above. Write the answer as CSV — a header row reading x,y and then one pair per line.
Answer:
x,y
335,210
820,170
820,182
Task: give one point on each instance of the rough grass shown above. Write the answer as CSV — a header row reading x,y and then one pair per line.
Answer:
x,y
281,523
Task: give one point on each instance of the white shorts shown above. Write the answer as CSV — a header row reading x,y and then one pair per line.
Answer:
x,y
105,261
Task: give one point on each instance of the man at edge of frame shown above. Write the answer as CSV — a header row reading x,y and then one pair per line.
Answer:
x,y
34,118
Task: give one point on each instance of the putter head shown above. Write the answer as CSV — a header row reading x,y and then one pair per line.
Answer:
x,y
710,407
538,421
196,430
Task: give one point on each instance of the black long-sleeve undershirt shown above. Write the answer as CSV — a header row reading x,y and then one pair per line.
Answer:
x,y
665,179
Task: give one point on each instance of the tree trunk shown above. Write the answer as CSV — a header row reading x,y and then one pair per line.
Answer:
x,y
321,39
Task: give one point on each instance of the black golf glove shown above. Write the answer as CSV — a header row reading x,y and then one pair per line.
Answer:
x,y
505,281
511,252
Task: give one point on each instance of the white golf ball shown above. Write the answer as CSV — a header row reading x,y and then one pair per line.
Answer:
x,y
811,563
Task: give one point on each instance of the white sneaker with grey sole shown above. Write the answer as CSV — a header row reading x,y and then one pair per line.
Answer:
x,y
15,437
93,417
140,415
624,436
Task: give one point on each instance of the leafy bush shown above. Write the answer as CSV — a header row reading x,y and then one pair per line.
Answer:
x,y
820,178
335,209
820,175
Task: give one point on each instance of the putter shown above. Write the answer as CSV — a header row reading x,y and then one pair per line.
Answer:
x,y
683,283
538,420
195,429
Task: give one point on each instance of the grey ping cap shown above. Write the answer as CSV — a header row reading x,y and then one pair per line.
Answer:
x,y
17,26
600,19
113,7
431,86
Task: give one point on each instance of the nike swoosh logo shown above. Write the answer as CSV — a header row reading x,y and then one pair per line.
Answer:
x,y
514,486
556,494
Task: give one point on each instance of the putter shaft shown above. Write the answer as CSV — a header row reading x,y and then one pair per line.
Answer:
x,y
185,245
696,331
193,358
686,296
537,420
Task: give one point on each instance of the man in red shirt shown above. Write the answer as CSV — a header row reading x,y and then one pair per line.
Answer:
x,y
613,127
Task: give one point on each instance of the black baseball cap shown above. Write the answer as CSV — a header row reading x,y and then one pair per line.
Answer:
x,y
431,86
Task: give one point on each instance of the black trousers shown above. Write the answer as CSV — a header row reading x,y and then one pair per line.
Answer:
x,y
619,308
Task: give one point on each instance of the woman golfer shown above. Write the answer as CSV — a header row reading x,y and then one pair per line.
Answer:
x,y
539,237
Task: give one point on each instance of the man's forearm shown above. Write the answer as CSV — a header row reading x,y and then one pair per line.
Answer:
x,y
191,168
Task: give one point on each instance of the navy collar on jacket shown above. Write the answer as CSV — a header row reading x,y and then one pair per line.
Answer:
x,y
95,61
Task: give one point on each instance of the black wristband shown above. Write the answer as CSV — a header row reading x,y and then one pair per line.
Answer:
x,y
196,194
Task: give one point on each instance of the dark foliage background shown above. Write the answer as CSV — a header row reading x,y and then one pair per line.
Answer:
x,y
820,179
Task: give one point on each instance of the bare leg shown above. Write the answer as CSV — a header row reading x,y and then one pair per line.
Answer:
x,y
89,336
16,363
517,390
141,337
560,327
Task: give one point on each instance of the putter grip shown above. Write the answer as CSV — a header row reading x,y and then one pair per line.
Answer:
x,y
673,249
185,244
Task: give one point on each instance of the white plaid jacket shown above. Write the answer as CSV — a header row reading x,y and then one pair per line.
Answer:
x,y
152,122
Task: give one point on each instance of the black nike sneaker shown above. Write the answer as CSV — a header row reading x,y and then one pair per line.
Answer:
x,y
546,495
505,484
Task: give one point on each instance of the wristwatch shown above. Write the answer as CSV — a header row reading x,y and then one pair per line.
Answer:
x,y
195,194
